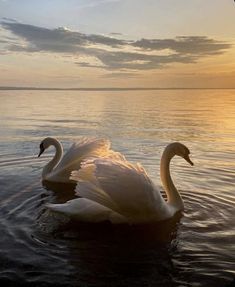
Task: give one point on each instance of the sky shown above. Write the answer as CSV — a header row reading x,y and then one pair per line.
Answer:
x,y
117,43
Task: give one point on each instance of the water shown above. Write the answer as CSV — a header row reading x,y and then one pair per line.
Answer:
x,y
45,249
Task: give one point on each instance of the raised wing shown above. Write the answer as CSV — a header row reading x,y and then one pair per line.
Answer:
x,y
119,185
79,151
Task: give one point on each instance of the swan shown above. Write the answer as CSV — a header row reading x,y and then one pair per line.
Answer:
x,y
60,167
121,192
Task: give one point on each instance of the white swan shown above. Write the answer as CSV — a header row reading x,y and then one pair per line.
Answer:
x,y
60,167
119,191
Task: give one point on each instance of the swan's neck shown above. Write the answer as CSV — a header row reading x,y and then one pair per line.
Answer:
x,y
54,162
173,196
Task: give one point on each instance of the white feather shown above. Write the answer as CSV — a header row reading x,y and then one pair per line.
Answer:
x,y
60,167
87,211
77,153
112,186
120,186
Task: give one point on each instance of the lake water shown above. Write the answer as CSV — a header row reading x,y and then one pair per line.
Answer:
x,y
41,248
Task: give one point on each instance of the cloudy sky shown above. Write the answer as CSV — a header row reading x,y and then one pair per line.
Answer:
x,y
117,43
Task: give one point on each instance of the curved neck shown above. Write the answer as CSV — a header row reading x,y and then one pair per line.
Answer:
x,y
173,196
58,154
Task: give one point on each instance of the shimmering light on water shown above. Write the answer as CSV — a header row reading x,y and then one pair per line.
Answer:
x,y
194,250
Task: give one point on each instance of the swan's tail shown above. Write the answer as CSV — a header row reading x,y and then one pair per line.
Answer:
x,y
60,208
86,210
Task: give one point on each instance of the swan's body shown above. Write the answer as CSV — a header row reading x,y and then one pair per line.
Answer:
x,y
60,167
118,191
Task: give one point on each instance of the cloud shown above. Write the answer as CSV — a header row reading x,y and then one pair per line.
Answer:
x,y
9,20
194,45
56,40
111,53
140,61
94,3
115,34
89,65
120,75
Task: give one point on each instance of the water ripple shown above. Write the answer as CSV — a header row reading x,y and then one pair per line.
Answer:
x,y
46,249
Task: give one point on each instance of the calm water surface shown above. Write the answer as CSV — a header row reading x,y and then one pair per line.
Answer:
x,y
45,249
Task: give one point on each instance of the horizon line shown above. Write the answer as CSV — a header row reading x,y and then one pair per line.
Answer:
x,y
4,88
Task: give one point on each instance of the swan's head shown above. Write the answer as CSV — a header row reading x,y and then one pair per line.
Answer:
x,y
182,151
44,145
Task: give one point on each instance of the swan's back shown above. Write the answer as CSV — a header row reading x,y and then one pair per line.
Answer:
x,y
120,186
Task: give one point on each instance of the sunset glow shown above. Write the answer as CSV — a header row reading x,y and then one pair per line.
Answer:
x,y
104,43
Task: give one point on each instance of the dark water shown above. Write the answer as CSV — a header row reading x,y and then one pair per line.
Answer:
x,y
44,249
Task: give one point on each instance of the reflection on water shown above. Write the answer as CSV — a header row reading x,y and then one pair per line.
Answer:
x,y
42,248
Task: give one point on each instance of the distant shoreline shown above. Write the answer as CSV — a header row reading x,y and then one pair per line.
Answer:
x,y
103,89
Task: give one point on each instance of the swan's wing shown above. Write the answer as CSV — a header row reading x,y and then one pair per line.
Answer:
x,y
86,210
119,185
86,148
82,149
